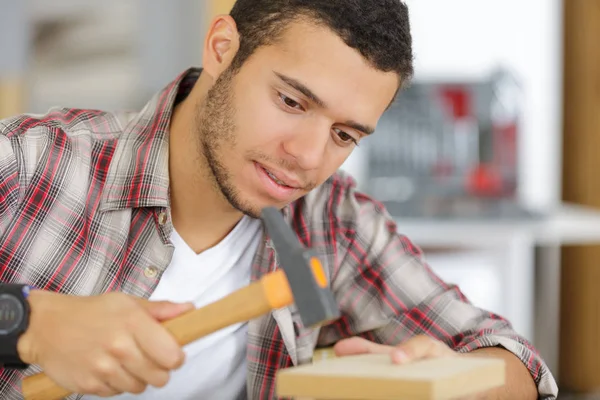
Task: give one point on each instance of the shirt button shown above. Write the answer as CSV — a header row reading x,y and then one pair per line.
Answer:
x,y
162,218
150,272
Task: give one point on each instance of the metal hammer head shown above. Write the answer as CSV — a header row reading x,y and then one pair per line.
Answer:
x,y
304,272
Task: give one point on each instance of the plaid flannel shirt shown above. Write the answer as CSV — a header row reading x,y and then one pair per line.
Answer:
x,y
84,209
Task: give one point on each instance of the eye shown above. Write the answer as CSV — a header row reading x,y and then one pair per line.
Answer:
x,y
345,137
289,102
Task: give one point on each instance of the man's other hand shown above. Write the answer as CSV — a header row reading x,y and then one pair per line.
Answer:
x,y
416,348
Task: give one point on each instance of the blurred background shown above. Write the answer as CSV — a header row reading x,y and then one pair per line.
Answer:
x,y
488,161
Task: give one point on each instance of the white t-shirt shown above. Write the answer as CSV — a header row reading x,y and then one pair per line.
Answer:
x,y
215,366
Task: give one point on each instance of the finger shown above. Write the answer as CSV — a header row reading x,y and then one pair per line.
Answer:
x,y
92,385
158,344
99,389
122,381
164,310
358,345
148,370
108,372
418,348
141,365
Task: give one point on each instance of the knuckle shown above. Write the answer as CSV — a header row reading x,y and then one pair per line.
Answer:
x,y
120,346
103,367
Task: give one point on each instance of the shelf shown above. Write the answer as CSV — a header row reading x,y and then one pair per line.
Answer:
x,y
569,225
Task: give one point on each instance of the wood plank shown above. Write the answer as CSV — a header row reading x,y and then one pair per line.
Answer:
x,y
374,377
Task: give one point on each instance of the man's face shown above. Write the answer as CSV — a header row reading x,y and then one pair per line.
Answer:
x,y
289,117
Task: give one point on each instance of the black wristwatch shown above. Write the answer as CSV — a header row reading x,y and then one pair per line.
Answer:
x,y
14,319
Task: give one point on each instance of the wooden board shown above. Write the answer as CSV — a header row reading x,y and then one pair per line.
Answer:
x,y
374,377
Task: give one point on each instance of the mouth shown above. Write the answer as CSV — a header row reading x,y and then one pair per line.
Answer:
x,y
279,186
280,179
277,180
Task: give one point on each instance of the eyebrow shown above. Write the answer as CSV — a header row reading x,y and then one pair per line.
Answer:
x,y
302,88
367,130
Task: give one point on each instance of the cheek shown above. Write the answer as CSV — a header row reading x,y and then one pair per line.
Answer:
x,y
332,162
261,124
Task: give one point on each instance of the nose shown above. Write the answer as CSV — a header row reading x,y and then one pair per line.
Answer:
x,y
308,146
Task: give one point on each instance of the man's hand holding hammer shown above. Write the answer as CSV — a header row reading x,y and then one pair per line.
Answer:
x,y
114,343
102,345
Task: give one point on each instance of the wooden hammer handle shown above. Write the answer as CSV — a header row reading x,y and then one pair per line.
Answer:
x,y
252,301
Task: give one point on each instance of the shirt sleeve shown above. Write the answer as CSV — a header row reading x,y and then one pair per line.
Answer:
x,y
387,293
9,177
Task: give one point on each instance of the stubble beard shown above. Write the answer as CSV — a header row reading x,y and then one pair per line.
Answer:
x,y
216,136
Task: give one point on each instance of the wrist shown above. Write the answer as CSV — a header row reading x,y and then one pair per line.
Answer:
x,y
14,321
25,344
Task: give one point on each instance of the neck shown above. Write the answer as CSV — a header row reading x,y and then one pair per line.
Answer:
x,y
200,213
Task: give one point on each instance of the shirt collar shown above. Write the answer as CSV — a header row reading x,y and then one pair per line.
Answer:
x,y
139,172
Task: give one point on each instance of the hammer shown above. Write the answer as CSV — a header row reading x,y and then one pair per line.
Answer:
x,y
302,280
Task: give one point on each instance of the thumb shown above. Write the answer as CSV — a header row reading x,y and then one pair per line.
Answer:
x,y
164,310
358,345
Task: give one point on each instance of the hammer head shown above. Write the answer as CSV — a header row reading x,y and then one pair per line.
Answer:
x,y
304,272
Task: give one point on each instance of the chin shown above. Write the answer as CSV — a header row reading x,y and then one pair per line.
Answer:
x,y
254,209
246,204
253,206
250,199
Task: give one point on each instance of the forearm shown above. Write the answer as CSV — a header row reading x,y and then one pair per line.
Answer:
x,y
519,383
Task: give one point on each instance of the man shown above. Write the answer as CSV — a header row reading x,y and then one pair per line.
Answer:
x,y
122,220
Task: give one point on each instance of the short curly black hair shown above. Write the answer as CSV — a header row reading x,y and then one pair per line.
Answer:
x,y
378,29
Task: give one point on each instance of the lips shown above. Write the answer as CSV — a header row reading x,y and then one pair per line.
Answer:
x,y
281,178
277,185
277,180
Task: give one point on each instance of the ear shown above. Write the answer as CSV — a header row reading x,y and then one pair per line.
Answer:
x,y
220,46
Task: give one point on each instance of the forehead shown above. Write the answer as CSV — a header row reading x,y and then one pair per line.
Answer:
x,y
338,74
